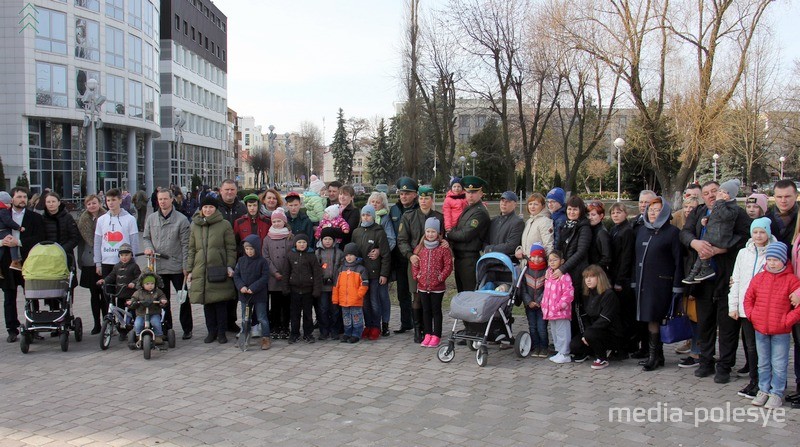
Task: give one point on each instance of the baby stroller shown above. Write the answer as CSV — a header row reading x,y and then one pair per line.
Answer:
x,y
486,312
47,277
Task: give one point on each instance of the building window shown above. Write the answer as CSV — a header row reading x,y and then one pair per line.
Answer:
x,y
149,103
148,19
134,99
81,76
464,121
115,47
87,39
115,9
134,54
150,62
193,35
481,121
206,42
177,22
51,84
115,94
52,35
185,28
93,5
135,13
224,56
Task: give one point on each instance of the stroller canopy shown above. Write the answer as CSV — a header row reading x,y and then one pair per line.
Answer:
x,y
46,260
495,262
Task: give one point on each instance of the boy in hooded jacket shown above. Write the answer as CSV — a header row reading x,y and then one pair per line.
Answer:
x,y
251,277
303,285
351,287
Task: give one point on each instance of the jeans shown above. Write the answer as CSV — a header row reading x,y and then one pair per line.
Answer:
x,y
353,318
155,324
537,327
385,305
260,309
379,304
302,302
432,312
773,362
185,316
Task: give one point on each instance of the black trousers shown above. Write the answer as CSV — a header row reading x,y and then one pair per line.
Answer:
x,y
185,315
464,268
301,302
712,314
432,312
750,352
401,269
217,317
600,342
10,303
278,312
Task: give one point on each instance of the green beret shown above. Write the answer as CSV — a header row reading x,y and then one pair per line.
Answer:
x,y
473,183
250,198
425,191
406,184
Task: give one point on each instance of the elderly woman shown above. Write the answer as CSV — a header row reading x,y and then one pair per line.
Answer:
x,y
658,274
212,257
380,202
538,228
86,226
270,201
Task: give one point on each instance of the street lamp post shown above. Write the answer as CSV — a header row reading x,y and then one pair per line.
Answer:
x,y
92,100
310,168
715,157
271,138
290,157
180,121
619,143
462,159
782,160
473,155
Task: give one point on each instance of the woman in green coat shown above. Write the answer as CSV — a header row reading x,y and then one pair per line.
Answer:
x,y
212,257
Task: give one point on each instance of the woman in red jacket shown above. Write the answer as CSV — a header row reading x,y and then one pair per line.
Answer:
x,y
434,266
769,308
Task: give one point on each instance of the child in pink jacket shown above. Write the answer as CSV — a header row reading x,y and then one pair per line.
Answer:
x,y
454,204
332,218
557,307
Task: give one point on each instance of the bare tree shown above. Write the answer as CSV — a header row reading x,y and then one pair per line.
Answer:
x,y
310,140
259,162
410,122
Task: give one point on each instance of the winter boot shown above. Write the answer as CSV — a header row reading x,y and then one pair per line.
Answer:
x,y
656,357
418,335
385,330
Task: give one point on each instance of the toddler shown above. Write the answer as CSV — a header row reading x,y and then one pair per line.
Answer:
x,y
349,292
7,224
431,272
124,273
313,200
557,307
148,300
332,218
532,294
454,204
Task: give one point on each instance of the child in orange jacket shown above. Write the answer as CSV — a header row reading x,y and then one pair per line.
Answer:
x,y
351,287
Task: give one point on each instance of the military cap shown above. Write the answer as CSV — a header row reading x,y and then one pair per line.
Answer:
x,y
406,184
473,183
250,198
425,191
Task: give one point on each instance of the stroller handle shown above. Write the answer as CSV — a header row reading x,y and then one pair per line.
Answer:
x,y
154,255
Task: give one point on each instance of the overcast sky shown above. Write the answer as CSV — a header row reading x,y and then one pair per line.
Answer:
x,y
300,60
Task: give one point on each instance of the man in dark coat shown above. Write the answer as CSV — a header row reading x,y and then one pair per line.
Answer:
x,y
33,234
505,231
712,295
231,208
407,190
468,235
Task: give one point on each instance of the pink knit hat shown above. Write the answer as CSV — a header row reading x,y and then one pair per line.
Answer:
x,y
279,214
760,200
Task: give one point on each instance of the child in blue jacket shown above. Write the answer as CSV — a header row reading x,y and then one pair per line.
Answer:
x,y
251,277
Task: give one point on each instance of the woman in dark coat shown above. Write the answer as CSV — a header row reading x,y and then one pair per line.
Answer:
x,y
659,269
620,273
59,226
575,238
600,250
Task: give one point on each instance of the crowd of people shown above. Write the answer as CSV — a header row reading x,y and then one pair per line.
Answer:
x,y
589,290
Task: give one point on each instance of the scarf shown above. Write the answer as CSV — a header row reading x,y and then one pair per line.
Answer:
x,y
569,224
278,233
380,213
367,224
431,244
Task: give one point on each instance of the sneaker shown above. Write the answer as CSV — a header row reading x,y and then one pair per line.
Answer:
x,y
749,391
159,340
760,399
222,338
599,364
744,369
435,342
309,339
255,332
15,265
689,362
560,358
705,273
580,359
774,401
704,371
690,280
426,340
684,348
187,335
722,376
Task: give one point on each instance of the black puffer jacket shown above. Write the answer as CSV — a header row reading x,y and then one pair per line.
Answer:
x,y
61,227
600,250
574,241
304,273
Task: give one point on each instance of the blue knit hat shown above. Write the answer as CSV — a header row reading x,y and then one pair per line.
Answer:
x,y
763,223
368,209
777,250
558,195
433,223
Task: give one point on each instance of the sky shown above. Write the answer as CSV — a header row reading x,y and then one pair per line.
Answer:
x,y
291,61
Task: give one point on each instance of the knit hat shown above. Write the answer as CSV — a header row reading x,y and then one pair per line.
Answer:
x,y
332,211
537,250
149,279
777,250
210,200
351,249
456,180
279,214
369,209
250,198
5,198
300,237
758,199
731,187
327,232
558,195
316,185
763,223
433,223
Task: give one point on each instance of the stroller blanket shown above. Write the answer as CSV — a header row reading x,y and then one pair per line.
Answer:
x,y
477,306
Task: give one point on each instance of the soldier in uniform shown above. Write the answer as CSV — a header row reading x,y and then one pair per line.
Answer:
x,y
410,234
468,235
407,190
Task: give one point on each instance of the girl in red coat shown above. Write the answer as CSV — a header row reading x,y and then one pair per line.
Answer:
x,y
434,266
454,204
769,308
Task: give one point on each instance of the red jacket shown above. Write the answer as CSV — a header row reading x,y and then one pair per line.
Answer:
x,y
245,226
433,268
767,303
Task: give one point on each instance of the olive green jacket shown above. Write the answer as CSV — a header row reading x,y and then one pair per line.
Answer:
x,y
471,230
412,228
211,243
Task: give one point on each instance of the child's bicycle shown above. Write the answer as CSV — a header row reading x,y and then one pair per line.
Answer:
x,y
117,318
146,339
244,337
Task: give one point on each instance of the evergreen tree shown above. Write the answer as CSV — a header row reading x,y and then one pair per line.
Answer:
x,y
379,158
395,159
22,180
197,182
342,153
488,143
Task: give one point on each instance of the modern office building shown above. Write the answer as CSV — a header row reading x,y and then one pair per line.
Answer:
x,y
194,80
49,51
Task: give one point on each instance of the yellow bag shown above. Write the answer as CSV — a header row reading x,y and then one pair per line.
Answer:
x,y
690,308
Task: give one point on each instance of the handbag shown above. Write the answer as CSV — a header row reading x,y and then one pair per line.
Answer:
x,y
676,327
182,294
217,273
690,309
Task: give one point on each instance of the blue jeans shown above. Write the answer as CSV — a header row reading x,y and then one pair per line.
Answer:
x,y
379,305
537,327
155,324
260,310
773,362
353,318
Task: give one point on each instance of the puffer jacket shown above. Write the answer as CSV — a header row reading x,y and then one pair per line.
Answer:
x,y
142,300
123,275
168,236
315,205
558,297
252,273
767,304
330,260
61,227
304,273
574,244
371,237
749,261
538,228
433,268
452,208
211,243
351,286
275,251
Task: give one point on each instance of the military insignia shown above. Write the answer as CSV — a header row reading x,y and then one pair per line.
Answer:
x,y
470,186
400,228
473,223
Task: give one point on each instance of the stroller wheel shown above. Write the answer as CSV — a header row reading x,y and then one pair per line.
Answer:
x,y
78,327
446,353
473,345
105,335
522,344
24,342
482,356
64,339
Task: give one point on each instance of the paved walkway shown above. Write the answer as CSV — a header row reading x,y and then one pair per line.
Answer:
x,y
384,393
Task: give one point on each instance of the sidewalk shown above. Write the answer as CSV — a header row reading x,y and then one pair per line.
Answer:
x,y
384,393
